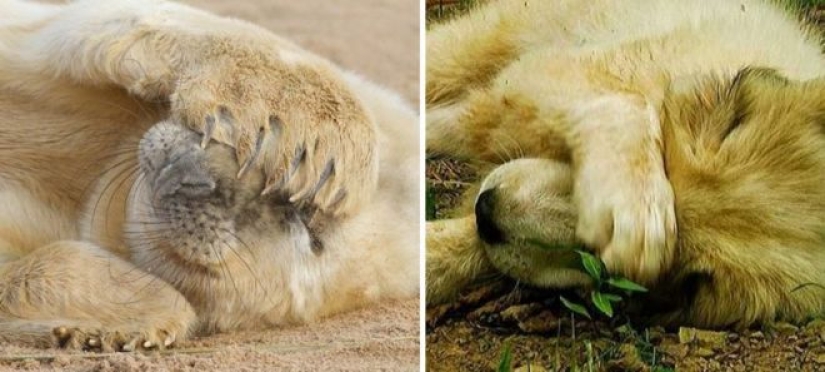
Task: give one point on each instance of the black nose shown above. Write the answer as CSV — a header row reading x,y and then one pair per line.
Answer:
x,y
186,175
487,229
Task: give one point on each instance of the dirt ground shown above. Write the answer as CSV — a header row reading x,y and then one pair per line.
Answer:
x,y
472,333
380,40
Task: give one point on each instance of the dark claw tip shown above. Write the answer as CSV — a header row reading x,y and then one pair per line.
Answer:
x,y
274,120
224,112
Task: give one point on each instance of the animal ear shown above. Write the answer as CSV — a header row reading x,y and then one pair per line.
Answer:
x,y
751,83
748,87
757,75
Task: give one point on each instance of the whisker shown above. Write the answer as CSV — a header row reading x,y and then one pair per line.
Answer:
x,y
246,264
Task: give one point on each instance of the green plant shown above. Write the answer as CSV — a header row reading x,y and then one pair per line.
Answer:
x,y
504,364
607,289
429,204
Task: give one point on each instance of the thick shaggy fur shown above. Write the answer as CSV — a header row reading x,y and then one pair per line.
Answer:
x,y
681,141
164,171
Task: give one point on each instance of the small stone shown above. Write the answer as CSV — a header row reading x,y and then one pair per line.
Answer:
x,y
702,352
820,359
676,351
784,328
530,368
701,337
758,335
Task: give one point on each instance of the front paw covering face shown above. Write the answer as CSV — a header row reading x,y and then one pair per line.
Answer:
x,y
193,209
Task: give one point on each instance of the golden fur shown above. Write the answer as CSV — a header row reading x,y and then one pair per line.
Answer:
x,y
123,227
634,118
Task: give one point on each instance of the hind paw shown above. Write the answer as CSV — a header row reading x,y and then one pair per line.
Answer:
x,y
116,338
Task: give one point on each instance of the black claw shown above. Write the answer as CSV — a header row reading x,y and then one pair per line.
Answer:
x,y
328,171
259,141
316,245
300,155
208,130
225,114
342,194
62,335
275,125
226,120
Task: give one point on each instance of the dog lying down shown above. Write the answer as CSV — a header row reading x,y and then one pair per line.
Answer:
x,y
681,142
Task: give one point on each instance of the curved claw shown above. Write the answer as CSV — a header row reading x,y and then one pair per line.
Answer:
x,y
310,191
256,150
93,342
208,130
129,346
61,333
269,187
169,340
329,170
337,200
300,156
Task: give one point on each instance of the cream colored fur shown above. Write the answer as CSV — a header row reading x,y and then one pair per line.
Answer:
x,y
640,117
123,227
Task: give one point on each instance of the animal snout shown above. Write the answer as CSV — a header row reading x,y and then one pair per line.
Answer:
x,y
185,175
488,230
174,162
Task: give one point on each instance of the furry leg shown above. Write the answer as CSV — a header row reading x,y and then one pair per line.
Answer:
x,y
74,294
455,257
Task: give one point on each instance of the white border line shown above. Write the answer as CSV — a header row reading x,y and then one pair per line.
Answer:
x,y
422,38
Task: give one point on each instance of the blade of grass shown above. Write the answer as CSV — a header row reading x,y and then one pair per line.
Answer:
x,y
504,364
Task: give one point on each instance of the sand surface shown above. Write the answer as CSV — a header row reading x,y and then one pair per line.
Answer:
x,y
379,39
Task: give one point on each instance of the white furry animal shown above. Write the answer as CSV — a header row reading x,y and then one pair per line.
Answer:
x,y
164,171
681,141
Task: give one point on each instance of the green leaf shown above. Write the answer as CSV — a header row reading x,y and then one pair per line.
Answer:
x,y
591,264
602,303
611,297
626,284
429,204
504,364
574,307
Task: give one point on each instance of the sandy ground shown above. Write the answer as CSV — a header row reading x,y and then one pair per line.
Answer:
x,y
382,338
379,39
